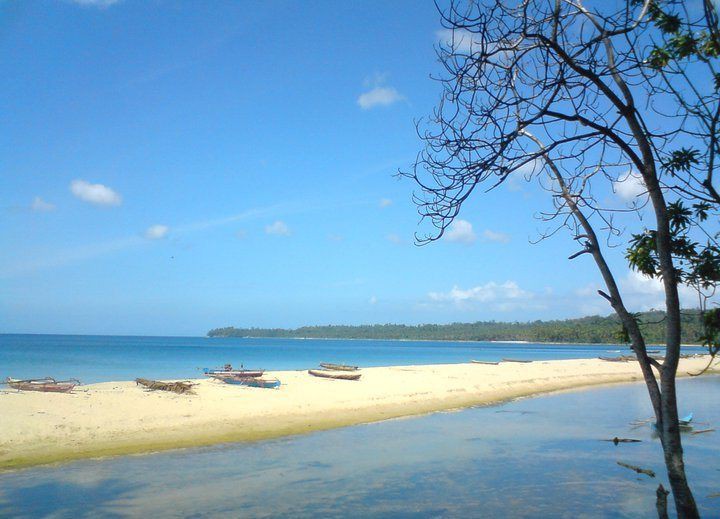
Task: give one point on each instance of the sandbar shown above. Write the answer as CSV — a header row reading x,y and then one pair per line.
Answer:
x,y
117,418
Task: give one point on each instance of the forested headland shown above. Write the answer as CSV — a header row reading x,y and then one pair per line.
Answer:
x,y
594,329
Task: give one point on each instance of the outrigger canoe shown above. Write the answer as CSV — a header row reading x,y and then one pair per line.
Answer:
x,y
45,385
267,383
484,362
228,370
334,374
338,367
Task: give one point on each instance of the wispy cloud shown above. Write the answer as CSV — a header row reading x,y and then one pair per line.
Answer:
x,y
394,238
278,228
97,194
96,3
460,231
79,254
156,232
41,206
498,237
71,256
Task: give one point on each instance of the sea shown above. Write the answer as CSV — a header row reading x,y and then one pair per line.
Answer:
x,y
98,358
543,456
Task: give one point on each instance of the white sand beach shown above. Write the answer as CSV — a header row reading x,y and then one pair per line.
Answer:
x,y
121,418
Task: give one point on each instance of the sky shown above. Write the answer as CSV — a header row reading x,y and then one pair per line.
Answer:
x,y
170,167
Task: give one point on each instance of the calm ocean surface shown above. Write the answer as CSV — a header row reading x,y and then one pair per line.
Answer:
x,y
105,358
537,457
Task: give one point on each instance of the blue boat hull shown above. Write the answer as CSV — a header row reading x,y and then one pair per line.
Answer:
x,y
251,382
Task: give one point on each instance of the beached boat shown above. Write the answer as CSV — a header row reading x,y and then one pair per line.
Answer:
x,y
338,367
45,385
485,362
228,370
334,374
267,383
516,360
686,422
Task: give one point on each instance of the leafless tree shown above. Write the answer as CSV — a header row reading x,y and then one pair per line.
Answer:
x,y
580,95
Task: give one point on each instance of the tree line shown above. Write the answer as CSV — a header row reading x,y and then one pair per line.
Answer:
x,y
594,329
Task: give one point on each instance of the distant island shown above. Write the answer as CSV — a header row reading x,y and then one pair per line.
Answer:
x,y
594,329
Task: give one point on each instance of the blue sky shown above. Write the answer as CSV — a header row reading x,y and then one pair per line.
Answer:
x,y
169,167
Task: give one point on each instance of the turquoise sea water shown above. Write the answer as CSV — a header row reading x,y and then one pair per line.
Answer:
x,y
104,358
537,457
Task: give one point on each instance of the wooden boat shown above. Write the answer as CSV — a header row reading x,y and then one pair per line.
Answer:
x,y
334,374
228,370
46,385
180,388
485,362
516,360
267,383
338,367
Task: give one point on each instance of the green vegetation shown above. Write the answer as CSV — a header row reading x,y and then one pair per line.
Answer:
x,y
593,329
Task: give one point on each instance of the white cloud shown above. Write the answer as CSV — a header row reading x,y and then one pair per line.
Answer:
x,y
379,96
278,228
629,187
498,237
94,193
95,3
41,205
459,40
156,232
372,300
460,231
640,293
501,297
385,202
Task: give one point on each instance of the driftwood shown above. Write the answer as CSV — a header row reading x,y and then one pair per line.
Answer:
x,y
176,387
701,431
621,358
617,440
627,358
639,470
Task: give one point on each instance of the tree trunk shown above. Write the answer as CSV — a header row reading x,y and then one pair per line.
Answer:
x,y
672,448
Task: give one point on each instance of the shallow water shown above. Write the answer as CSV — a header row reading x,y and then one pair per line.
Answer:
x,y
105,358
537,457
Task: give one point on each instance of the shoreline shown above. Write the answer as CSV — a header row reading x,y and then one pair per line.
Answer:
x,y
119,418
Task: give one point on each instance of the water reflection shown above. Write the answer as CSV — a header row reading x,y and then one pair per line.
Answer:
x,y
530,458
